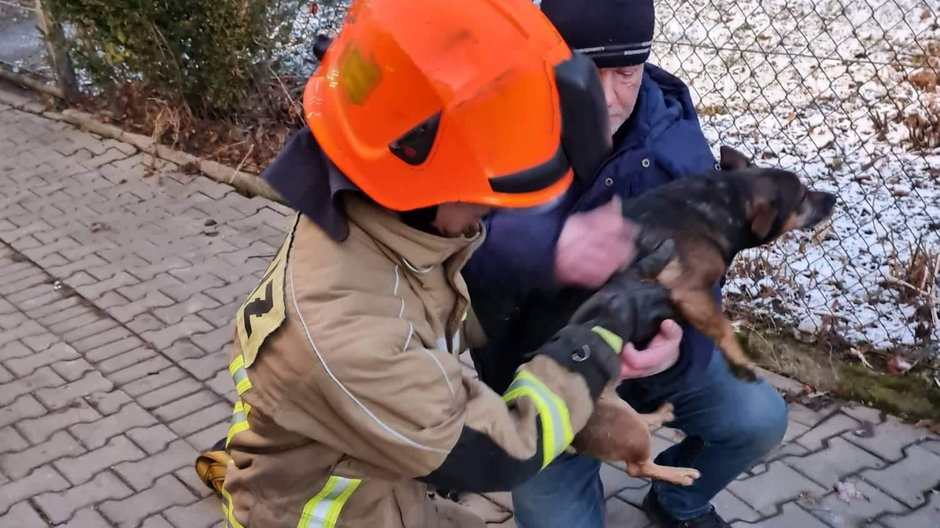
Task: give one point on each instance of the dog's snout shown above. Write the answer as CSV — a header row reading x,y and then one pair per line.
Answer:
x,y
821,205
825,202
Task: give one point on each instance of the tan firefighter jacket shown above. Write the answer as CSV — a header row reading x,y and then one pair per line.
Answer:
x,y
351,397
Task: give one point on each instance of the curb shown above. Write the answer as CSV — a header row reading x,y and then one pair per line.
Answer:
x,y
244,182
29,82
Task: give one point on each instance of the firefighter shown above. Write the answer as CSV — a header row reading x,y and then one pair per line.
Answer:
x,y
422,116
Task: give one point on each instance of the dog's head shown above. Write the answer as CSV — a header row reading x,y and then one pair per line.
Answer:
x,y
777,201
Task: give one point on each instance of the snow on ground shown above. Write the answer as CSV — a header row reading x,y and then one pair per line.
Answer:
x,y
796,83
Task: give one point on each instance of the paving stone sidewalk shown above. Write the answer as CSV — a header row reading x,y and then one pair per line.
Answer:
x,y
119,275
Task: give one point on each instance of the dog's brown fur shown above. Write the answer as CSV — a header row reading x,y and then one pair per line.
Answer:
x,y
616,432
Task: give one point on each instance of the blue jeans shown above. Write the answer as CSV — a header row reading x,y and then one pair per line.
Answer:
x,y
730,425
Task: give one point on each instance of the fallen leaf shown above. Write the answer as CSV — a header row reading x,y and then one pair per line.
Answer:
x,y
809,498
847,491
898,365
865,430
930,425
923,78
817,400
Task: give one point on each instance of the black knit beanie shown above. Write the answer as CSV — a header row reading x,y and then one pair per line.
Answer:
x,y
613,33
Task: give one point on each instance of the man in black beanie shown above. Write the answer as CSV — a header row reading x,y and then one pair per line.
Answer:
x,y
730,424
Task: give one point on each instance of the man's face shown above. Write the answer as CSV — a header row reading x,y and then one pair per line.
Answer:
x,y
621,87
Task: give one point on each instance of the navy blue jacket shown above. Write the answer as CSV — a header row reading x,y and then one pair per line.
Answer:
x,y
662,141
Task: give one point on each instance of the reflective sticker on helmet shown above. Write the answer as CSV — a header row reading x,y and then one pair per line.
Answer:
x,y
358,75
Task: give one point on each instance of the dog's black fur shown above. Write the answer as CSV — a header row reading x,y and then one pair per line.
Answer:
x,y
710,218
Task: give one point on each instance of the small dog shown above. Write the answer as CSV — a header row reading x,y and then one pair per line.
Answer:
x,y
710,218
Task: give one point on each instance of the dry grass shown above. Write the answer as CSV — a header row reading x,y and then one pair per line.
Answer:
x,y
915,280
711,110
251,142
924,128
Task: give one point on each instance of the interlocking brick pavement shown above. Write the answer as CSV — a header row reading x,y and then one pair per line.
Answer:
x,y
119,276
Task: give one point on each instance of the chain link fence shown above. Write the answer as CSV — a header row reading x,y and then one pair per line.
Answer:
x,y
844,93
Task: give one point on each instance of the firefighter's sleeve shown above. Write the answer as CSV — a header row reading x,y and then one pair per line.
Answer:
x,y
507,439
392,402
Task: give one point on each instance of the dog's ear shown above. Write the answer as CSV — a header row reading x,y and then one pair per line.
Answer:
x,y
761,215
733,160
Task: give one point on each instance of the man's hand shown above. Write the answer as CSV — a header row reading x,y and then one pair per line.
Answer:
x,y
593,246
661,353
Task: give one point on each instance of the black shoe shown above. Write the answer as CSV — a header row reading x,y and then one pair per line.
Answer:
x,y
656,513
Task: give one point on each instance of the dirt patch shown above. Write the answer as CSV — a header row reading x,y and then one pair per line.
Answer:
x,y
825,369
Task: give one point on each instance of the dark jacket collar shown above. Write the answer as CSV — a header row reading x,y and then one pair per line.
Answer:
x,y
663,100
309,183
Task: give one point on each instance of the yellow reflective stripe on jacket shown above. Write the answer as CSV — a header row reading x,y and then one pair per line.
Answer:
x,y
239,375
322,511
556,424
613,340
228,511
239,421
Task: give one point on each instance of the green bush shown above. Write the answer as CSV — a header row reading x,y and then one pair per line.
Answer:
x,y
211,55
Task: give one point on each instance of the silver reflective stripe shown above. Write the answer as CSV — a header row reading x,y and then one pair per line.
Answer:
x,y
635,52
239,421
322,511
615,49
239,375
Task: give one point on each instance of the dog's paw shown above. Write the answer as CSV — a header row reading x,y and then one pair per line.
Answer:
x,y
688,476
666,412
663,415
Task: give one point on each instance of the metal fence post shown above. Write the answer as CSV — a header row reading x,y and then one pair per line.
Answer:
x,y
57,52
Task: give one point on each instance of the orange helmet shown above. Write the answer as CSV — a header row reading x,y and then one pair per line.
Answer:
x,y
422,102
